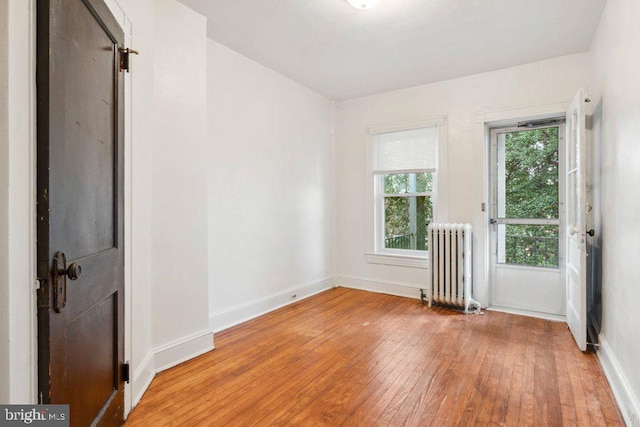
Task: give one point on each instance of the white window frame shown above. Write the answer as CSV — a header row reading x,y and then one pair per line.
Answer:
x,y
376,251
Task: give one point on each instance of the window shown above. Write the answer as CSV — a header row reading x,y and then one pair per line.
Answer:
x,y
404,175
527,193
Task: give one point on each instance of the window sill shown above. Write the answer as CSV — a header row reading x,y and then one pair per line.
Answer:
x,y
415,261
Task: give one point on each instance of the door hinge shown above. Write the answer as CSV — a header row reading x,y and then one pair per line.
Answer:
x,y
126,372
125,60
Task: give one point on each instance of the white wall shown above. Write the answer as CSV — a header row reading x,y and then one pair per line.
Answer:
x,y
615,94
179,195
462,101
270,188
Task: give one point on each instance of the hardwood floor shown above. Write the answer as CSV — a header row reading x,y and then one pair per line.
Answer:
x,y
347,357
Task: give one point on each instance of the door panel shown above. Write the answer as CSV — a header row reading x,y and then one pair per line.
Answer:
x,y
577,208
530,289
97,358
83,214
80,209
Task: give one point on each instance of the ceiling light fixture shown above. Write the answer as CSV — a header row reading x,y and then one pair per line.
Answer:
x,y
363,4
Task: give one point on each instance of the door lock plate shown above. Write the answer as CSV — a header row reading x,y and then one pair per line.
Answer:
x,y
59,282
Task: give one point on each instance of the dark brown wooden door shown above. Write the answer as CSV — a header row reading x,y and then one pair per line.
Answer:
x,y
80,210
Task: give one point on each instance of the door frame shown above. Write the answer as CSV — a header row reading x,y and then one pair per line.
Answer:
x,y
492,199
127,26
482,122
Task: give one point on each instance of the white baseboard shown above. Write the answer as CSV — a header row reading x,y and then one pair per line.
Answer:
x,y
627,400
184,349
545,316
167,356
240,313
380,286
142,377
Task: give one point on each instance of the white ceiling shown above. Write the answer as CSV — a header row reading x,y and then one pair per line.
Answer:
x,y
342,53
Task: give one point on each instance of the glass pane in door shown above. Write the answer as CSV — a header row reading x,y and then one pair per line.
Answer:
x,y
528,197
535,245
531,174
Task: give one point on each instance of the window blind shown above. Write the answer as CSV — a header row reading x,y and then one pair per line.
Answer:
x,y
405,151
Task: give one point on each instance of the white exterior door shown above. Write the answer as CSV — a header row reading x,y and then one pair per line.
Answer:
x,y
577,209
527,220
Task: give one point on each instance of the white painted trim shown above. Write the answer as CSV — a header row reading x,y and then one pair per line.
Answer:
x,y
183,349
125,23
142,377
481,247
505,116
545,316
628,402
241,313
118,12
400,289
334,193
5,291
31,209
21,383
165,357
397,259
407,124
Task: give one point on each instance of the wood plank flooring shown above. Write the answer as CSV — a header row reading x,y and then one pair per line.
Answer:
x,y
348,357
